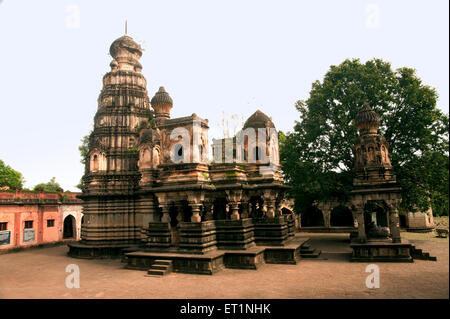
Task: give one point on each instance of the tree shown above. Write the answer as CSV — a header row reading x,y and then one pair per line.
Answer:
x,y
84,151
84,148
10,178
317,157
51,187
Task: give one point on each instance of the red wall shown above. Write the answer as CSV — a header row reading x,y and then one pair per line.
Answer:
x,y
16,208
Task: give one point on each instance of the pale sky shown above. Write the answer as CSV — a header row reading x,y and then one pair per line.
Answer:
x,y
211,56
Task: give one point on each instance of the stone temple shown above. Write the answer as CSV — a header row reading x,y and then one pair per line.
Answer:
x,y
150,190
152,195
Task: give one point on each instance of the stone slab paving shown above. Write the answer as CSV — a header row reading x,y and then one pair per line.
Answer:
x,y
40,273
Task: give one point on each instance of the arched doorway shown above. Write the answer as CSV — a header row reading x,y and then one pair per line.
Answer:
x,y
69,230
313,217
341,216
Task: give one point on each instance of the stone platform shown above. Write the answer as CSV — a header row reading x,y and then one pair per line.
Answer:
x,y
86,251
205,264
381,250
213,261
251,258
290,253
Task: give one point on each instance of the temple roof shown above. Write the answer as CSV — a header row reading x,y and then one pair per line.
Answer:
x,y
258,120
161,97
367,117
125,42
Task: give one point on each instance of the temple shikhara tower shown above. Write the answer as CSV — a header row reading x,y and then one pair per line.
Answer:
x,y
376,197
152,192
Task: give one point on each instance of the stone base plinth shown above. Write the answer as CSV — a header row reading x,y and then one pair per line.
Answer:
x,y
270,231
244,259
381,250
324,229
290,253
234,234
197,237
158,235
206,264
84,250
213,261
420,230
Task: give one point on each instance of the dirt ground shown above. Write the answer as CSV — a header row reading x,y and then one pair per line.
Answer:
x,y
41,273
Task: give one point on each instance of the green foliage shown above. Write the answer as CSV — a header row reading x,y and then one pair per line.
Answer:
x,y
10,177
84,148
51,187
231,175
80,184
317,157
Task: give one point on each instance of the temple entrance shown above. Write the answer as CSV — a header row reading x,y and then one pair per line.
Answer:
x,y
220,212
341,216
375,212
69,227
313,217
256,204
186,211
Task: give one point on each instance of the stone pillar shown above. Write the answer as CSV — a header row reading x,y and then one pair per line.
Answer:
x,y
245,209
269,201
209,210
195,200
394,225
270,209
359,212
165,213
179,208
327,217
235,211
325,208
195,218
234,197
164,205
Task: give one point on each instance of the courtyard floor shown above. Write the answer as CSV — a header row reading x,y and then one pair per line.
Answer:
x,y
41,273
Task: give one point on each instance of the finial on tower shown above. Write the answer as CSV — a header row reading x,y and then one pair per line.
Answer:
x,y
126,27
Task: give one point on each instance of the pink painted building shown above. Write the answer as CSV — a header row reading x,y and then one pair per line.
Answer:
x,y
30,219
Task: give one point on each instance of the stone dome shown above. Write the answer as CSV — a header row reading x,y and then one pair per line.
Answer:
x,y
125,42
258,120
367,119
161,97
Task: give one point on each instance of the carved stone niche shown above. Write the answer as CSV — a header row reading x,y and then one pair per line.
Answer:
x,y
97,161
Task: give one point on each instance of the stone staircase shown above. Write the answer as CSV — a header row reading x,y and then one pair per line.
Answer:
x,y
417,253
160,268
307,252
